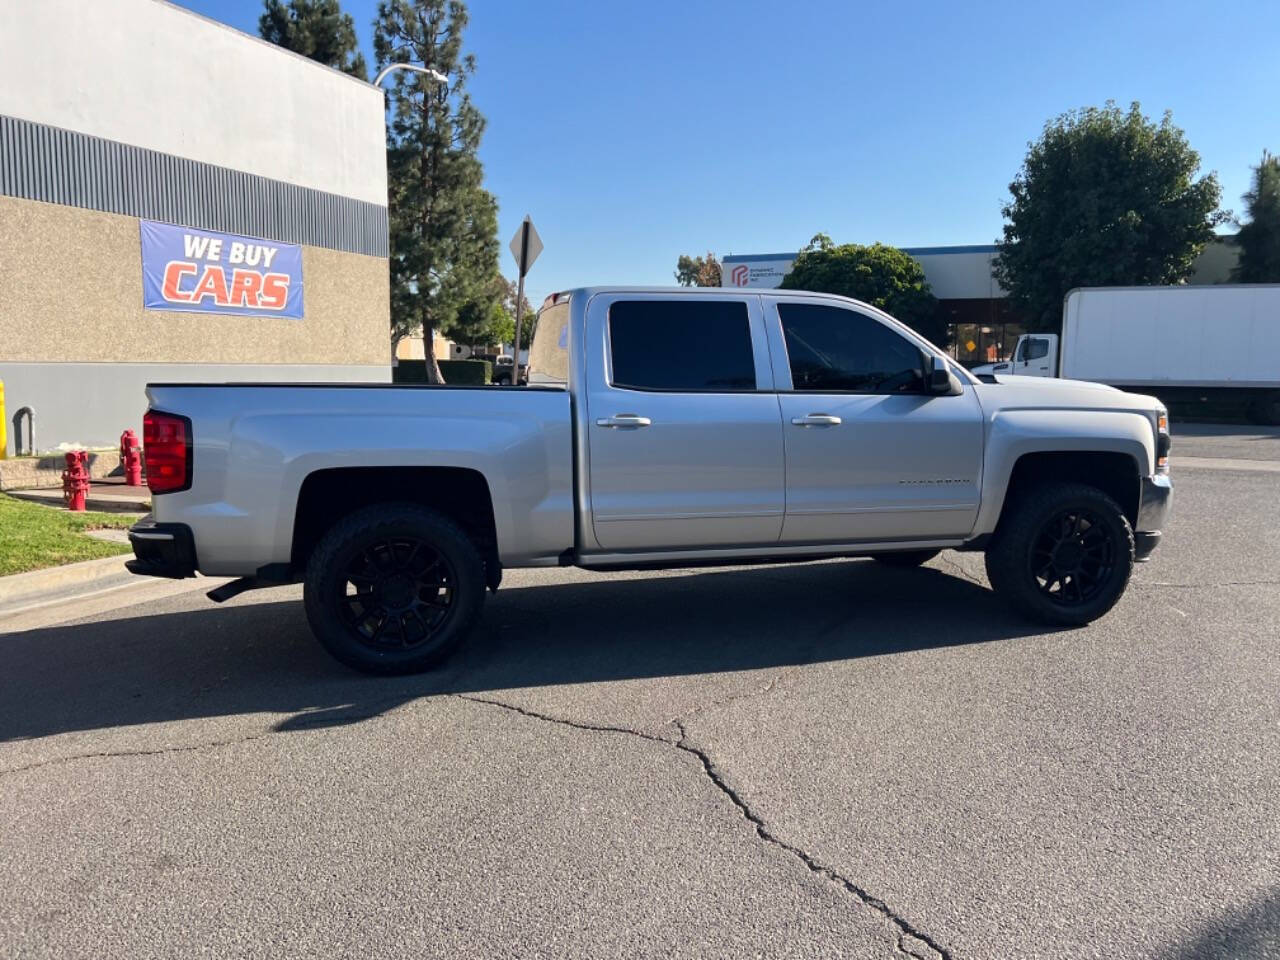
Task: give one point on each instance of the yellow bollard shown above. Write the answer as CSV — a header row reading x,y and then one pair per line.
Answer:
x,y
4,438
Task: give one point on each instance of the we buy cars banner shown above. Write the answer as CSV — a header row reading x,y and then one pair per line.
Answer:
x,y
202,271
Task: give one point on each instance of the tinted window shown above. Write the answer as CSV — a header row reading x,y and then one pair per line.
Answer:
x,y
833,349
681,345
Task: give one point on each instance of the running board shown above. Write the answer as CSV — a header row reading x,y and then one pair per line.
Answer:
x,y
236,587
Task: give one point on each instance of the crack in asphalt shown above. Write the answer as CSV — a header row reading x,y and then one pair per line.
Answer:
x,y
911,941
725,701
158,751
305,721
960,571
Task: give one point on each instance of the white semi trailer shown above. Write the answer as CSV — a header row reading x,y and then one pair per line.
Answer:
x,y
1192,346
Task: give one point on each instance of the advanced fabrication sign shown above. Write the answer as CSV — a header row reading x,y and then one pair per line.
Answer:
x,y
202,271
754,272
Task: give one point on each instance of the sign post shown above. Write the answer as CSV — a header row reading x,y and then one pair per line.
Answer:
x,y
525,246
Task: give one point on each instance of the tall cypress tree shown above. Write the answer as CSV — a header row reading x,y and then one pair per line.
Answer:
x,y
443,223
1260,237
314,28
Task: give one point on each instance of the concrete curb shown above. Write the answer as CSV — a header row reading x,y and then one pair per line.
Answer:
x,y
41,598
19,589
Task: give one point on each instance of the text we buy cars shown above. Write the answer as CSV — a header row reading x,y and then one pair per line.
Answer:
x,y
204,271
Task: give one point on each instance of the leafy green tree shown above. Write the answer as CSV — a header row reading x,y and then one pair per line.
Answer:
x,y
506,330
443,223
698,271
1105,197
1260,238
314,28
478,322
880,275
491,319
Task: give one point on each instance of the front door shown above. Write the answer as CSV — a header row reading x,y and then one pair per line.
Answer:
x,y
684,435
1033,357
870,456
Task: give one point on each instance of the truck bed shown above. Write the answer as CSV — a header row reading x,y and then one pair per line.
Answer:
x,y
254,444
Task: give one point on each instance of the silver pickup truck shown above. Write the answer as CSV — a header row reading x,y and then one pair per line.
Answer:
x,y
659,428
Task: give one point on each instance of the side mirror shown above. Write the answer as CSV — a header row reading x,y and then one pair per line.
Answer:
x,y
939,380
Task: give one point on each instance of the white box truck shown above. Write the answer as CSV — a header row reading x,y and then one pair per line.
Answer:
x,y
1194,347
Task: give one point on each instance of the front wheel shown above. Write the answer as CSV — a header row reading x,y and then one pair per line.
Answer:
x,y
393,589
1063,554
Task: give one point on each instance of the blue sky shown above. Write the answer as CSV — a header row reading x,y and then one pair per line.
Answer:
x,y
635,132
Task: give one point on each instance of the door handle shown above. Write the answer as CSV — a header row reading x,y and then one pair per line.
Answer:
x,y
624,420
816,420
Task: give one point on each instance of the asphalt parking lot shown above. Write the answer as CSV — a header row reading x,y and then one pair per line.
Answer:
x,y
832,759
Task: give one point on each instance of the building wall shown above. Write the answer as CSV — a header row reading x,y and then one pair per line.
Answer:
x,y
961,272
155,75
91,404
122,111
72,290
1216,262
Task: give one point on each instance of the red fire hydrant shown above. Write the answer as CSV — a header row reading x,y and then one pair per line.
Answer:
x,y
131,458
75,479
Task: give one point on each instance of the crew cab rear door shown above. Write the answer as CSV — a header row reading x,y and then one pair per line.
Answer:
x,y
684,433
870,455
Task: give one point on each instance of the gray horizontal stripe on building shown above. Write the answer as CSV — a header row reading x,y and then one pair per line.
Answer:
x,y
40,162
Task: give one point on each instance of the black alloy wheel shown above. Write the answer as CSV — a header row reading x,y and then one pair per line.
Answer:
x,y
397,593
1062,553
394,588
1073,557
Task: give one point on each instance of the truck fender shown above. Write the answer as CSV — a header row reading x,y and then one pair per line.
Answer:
x,y
1012,434
292,450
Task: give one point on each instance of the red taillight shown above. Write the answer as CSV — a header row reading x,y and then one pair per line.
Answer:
x,y
166,448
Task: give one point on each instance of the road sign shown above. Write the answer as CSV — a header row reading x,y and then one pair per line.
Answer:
x,y
526,245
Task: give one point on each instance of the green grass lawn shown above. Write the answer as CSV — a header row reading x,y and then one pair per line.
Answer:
x,y
34,536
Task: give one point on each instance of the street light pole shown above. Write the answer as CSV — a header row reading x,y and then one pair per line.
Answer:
x,y
435,75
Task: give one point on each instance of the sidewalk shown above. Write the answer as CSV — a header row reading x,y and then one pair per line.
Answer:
x,y
108,496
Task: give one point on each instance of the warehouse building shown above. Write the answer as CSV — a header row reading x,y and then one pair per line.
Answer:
x,y
178,201
983,324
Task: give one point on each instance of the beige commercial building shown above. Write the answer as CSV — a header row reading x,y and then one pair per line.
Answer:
x,y
984,325
178,202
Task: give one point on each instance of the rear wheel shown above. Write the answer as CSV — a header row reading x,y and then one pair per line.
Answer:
x,y
1063,554
906,558
393,588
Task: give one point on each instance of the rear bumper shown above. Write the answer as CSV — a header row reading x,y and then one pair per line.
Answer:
x,y
162,549
1153,513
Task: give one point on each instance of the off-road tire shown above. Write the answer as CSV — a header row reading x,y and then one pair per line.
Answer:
x,y
906,558
382,531
1016,554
